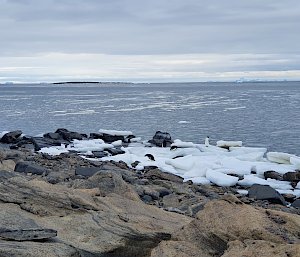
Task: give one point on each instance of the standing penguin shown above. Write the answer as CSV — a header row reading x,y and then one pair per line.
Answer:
x,y
206,142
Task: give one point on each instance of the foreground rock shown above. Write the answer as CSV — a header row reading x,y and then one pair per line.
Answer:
x,y
225,228
264,192
88,220
161,139
11,137
67,206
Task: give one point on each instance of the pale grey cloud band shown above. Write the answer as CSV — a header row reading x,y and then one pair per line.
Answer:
x,y
253,35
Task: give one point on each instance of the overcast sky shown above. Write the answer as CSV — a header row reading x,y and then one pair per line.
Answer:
x,y
149,40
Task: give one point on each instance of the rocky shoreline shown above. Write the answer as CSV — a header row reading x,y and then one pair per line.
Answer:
x,y
66,205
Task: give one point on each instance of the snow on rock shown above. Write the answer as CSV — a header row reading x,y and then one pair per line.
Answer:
x,y
237,166
211,149
295,160
242,191
184,163
200,166
221,179
261,167
54,150
115,132
223,143
277,157
197,162
255,156
179,143
117,143
136,139
295,192
3,133
89,145
250,180
245,150
200,180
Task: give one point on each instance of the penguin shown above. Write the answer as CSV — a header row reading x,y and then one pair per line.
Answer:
x,y
150,156
206,142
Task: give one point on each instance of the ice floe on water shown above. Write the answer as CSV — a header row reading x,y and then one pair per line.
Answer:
x,y
227,164
184,122
115,132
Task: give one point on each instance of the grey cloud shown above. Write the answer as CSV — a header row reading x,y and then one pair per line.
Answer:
x,y
150,27
155,27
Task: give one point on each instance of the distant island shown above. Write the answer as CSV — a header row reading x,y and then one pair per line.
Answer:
x,y
88,82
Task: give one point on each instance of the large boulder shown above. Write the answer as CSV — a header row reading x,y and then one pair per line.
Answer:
x,y
18,227
224,221
265,192
108,183
296,203
11,137
293,176
161,139
107,138
70,135
87,223
273,175
38,142
28,167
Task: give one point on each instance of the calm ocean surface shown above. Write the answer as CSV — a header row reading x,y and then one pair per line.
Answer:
x,y
260,114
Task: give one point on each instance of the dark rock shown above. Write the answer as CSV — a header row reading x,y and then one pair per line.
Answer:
x,y
34,249
106,137
57,177
11,137
265,192
38,142
115,151
157,174
55,136
241,177
147,198
99,154
179,156
292,176
206,191
294,184
151,167
296,203
163,192
134,164
289,197
161,139
273,174
152,192
28,167
128,138
86,171
17,227
27,234
70,135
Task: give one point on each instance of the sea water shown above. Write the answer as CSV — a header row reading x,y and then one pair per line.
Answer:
x,y
263,114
